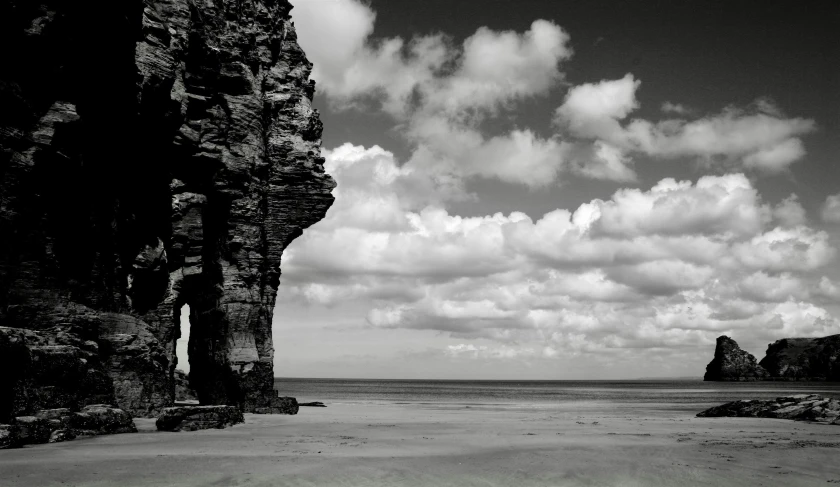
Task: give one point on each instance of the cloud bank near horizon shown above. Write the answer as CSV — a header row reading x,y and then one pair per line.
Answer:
x,y
673,266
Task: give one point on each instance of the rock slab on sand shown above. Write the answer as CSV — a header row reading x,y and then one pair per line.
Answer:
x,y
802,407
55,425
191,418
280,405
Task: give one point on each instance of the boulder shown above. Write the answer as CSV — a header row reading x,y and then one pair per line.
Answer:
x,y
733,364
191,418
33,430
9,436
101,419
802,407
280,405
62,424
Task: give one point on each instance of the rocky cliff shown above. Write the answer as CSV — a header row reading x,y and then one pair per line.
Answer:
x,y
787,359
155,153
804,358
733,364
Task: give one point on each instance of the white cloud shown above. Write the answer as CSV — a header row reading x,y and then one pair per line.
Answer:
x,y
831,209
761,139
677,108
673,266
593,110
789,213
603,161
441,93
488,70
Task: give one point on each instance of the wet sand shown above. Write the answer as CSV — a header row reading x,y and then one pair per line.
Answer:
x,y
428,445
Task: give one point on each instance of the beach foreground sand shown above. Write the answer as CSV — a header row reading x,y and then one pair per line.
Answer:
x,y
426,445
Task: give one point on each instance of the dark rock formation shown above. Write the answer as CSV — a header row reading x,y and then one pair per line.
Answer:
x,y
280,405
804,359
808,359
733,364
153,153
55,425
803,407
52,368
9,436
191,418
183,391
315,404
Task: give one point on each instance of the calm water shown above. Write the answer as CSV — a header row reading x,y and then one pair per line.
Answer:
x,y
649,394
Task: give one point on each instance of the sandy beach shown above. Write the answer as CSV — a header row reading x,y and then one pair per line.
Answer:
x,y
423,445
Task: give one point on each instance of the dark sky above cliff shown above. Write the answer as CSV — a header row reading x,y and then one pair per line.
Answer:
x,y
561,190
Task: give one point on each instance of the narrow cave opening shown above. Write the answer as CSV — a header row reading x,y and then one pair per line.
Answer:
x,y
182,345
183,390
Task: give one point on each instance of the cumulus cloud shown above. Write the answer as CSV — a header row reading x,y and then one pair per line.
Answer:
x,y
789,213
760,138
831,209
440,93
671,266
677,108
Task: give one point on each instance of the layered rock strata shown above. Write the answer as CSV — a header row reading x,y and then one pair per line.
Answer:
x,y
158,153
192,418
733,364
808,359
802,407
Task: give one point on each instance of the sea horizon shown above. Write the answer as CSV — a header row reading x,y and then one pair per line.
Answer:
x,y
636,394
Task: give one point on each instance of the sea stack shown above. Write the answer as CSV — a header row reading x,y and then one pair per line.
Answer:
x,y
733,364
154,153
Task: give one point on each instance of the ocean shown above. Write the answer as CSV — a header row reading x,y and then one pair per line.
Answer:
x,y
674,395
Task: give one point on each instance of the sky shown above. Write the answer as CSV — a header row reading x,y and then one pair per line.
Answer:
x,y
565,190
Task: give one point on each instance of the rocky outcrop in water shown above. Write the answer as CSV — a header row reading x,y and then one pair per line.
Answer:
x,y
809,359
802,407
804,359
56,425
191,418
153,153
733,364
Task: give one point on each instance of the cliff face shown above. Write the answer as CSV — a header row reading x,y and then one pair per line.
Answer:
x,y
786,359
733,364
804,358
154,154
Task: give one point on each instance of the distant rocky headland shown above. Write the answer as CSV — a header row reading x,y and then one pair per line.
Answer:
x,y
152,154
804,359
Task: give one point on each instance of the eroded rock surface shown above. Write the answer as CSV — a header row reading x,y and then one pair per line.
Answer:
x,y
802,407
158,153
733,364
191,418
